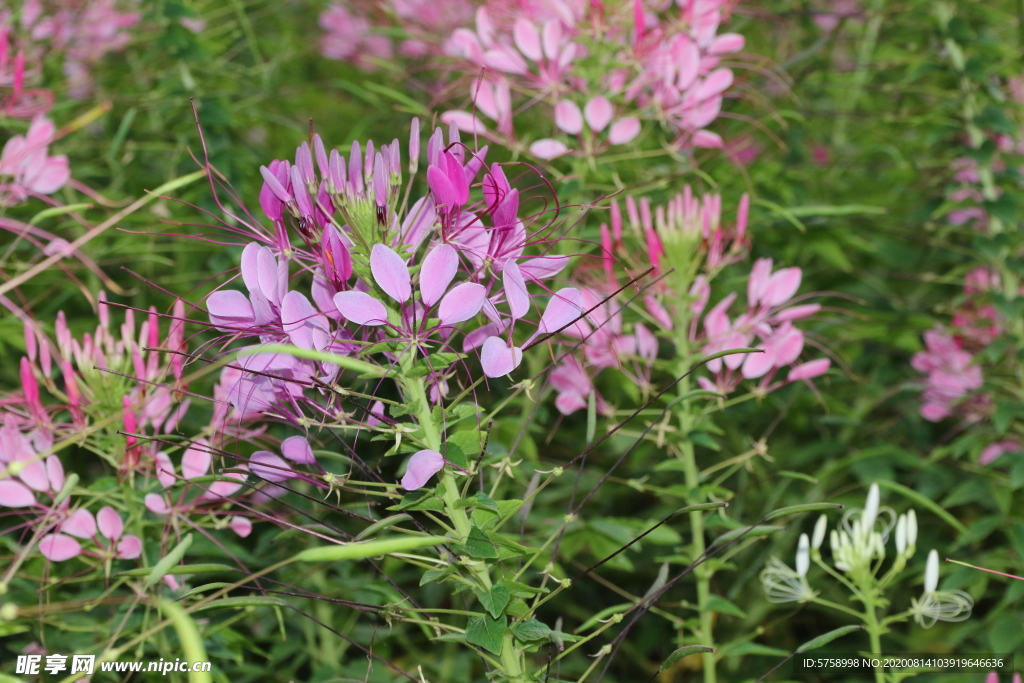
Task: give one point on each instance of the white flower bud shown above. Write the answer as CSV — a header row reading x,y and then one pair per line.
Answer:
x,y
911,529
833,541
803,555
819,532
870,513
901,534
931,572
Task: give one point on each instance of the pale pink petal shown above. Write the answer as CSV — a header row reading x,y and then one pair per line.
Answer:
x,y
727,42
156,504
757,364
757,285
196,460
797,312
110,523
464,121
527,39
498,359
164,469
361,308
297,449
81,524
598,112
568,117
129,547
266,465
422,466
15,495
705,139
547,148
438,270
462,303
230,310
515,290
241,525
53,175
565,306
782,286
788,345
624,130
543,267
55,473
390,273
810,369
58,547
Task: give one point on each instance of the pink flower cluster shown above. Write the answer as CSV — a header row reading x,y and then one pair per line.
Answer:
x,y
656,63
414,277
81,31
349,32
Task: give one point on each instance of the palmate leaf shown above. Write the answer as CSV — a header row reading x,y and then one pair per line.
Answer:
x,y
487,632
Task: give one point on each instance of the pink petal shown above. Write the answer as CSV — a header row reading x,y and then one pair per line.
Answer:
x,y
422,466
727,42
757,364
568,117
515,290
565,306
543,267
53,175
361,308
164,469
547,148
230,310
705,139
757,285
624,130
156,504
646,343
715,84
34,476
241,525
298,318
797,312
462,303
464,121
196,460
788,345
81,524
527,39
782,286
15,495
55,473
498,359
58,547
437,272
598,112
297,449
390,273
129,547
110,523
809,370
266,465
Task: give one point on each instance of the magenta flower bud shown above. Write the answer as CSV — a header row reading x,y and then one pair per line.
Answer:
x,y
337,260
414,145
616,222
631,211
506,213
495,185
45,358
355,168
302,198
103,311
435,145
274,195
380,181
337,176
741,216
154,328
63,335
30,342
321,156
368,160
304,163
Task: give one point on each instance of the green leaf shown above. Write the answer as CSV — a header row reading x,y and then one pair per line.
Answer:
x,y
682,652
826,638
163,567
487,633
702,439
479,499
532,629
360,551
469,441
423,499
436,574
925,502
496,600
521,590
344,362
477,546
717,603
799,509
455,455
517,608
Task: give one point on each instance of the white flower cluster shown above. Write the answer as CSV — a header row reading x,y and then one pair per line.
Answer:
x,y
858,549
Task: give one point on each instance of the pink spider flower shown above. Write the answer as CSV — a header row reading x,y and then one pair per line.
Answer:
x,y
26,169
951,374
111,542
